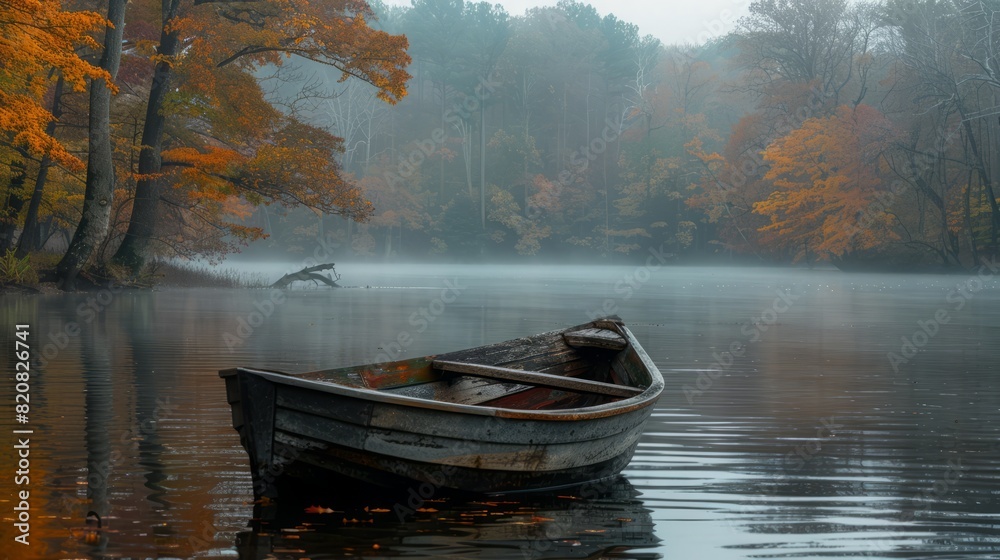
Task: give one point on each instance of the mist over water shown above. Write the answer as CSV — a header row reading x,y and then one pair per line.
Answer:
x,y
786,428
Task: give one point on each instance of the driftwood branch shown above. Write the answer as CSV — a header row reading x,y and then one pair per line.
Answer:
x,y
307,274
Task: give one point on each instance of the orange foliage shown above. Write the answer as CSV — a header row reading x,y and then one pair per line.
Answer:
x,y
226,147
334,32
731,183
36,36
827,175
547,195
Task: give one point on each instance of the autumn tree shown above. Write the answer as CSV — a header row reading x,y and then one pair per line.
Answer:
x,y
37,40
827,175
99,196
818,44
395,209
947,70
730,182
670,102
216,45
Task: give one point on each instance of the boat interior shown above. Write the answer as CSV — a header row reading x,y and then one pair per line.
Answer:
x,y
561,370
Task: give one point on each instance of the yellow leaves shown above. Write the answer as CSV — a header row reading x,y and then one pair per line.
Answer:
x,y
333,32
547,195
230,148
26,119
35,37
827,175
212,160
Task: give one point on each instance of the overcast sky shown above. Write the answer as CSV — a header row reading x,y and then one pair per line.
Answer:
x,y
672,21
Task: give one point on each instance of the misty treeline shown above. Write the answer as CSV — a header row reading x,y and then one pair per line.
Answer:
x,y
867,134
859,133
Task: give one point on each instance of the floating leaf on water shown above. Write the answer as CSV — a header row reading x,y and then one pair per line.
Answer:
x,y
319,509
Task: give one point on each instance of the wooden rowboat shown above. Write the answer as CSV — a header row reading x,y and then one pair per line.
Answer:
x,y
554,409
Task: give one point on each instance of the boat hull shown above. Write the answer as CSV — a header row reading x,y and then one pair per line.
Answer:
x,y
305,430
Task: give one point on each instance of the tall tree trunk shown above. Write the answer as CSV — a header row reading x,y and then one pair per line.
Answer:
x,y
980,166
444,97
31,237
132,252
482,158
968,220
100,192
12,205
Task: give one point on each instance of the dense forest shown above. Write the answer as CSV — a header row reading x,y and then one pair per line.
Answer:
x,y
863,134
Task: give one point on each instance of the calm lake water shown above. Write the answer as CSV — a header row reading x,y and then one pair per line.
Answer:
x,y
786,429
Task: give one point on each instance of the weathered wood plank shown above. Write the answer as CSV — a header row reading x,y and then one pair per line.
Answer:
x,y
596,338
464,390
538,379
334,407
487,428
494,456
401,472
582,368
383,375
323,429
534,361
233,398
516,349
257,398
630,369
543,398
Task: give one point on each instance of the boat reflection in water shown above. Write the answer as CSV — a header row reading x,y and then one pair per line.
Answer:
x,y
585,521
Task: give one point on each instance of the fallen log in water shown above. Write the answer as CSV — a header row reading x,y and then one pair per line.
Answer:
x,y
307,274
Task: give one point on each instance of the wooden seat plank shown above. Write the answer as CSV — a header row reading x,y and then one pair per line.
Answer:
x,y
596,338
538,379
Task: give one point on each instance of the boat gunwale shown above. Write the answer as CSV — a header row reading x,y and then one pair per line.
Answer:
x,y
647,398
